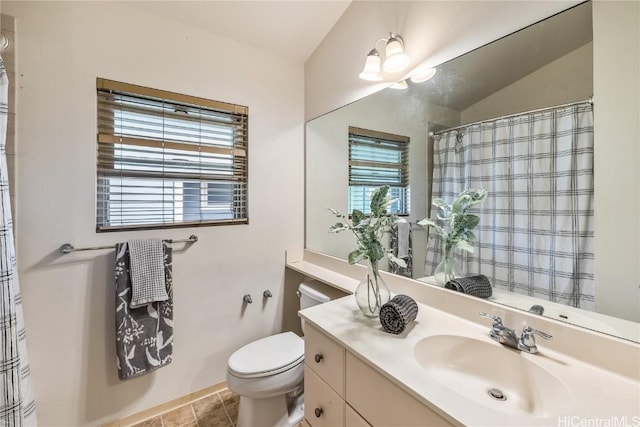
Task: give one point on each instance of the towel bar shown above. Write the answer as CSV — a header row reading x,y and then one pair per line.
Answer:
x,y
68,247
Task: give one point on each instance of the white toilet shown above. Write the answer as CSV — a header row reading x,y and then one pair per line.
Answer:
x,y
268,373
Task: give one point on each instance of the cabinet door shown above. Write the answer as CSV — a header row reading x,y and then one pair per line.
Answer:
x,y
325,357
353,419
322,406
383,403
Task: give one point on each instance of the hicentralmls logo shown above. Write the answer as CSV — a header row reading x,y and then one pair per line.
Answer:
x,y
614,421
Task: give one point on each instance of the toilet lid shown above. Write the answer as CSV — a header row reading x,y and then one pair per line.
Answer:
x,y
267,356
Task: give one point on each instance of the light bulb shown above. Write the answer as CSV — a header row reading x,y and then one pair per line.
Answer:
x,y
396,60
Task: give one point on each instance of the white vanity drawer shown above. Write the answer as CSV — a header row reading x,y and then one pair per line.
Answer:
x,y
322,406
372,395
325,357
353,419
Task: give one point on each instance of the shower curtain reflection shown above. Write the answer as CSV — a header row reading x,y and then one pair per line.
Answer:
x,y
535,235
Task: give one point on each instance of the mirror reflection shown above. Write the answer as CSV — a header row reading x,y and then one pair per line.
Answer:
x,y
454,124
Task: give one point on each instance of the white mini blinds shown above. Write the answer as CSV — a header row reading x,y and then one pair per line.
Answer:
x,y
166,159
376,159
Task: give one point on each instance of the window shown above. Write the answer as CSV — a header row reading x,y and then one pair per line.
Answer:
x,y
375,159
166,159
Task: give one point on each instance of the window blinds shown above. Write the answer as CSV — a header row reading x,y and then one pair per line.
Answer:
x,y
166,159
376,159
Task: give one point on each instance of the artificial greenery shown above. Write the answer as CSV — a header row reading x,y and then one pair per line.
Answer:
x,y
459,222
369,229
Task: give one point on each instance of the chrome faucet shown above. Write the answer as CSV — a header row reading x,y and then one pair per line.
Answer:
x,y
507,336
528,342
537,309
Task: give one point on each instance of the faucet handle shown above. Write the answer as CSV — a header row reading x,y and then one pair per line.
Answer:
x,y
497,328
497,321
528,331
527,341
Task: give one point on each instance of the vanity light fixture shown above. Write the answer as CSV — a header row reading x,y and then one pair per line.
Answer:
x,y
395,59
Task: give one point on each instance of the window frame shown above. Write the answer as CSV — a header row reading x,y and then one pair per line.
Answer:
x,y
190,146
402,144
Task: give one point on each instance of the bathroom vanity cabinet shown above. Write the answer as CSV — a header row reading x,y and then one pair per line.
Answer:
x,y
341,390
440,370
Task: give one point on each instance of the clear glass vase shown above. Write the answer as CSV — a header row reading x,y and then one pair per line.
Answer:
x,y
447,269
372,292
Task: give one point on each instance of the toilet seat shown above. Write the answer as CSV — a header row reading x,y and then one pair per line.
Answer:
x,y
267,356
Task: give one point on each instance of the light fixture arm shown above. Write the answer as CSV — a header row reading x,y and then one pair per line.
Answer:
x,y
391,36
375,45
395,36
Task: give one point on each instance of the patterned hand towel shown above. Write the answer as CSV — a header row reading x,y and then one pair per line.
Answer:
x,y
404,229
147,272
396,315
478,286
144,335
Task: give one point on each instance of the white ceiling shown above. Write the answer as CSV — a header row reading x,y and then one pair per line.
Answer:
x,y
292,29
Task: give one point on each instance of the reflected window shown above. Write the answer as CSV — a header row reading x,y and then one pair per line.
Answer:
x,y
376,159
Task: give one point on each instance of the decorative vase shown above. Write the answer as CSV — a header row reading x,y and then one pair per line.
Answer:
x,y
372,292
447,269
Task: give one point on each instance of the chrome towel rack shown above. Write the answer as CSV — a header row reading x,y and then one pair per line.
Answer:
x,y
68,247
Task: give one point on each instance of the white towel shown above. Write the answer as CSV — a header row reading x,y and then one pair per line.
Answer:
x,y
404,228
147,272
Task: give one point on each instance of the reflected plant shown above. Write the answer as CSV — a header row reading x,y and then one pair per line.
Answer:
x,y
458,224
456,231
369,229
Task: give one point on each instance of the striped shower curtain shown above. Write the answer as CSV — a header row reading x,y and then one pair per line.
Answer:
x,y
536,231
17,405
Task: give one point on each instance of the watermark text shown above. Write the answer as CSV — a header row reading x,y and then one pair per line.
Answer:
x,y
614,421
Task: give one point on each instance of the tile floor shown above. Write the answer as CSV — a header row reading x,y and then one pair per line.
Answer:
x,y
216,410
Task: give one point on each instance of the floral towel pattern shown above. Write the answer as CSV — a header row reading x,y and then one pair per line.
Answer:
x,y
144,335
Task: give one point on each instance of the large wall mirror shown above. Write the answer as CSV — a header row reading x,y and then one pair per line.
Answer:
x,y
544,65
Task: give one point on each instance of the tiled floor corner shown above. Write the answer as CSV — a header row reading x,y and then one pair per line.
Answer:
x,y
216,410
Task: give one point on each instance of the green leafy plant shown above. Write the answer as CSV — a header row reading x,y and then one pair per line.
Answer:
x,y
369,229
458,221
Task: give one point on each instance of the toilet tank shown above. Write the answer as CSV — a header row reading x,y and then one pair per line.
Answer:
x,y
313,292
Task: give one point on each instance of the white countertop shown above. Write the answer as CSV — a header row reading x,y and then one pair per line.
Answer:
x,y
596,394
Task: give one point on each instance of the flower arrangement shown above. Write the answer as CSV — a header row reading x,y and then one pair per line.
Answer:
x,y
372,292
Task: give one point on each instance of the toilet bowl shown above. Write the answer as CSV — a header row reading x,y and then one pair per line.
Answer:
x,y
268,373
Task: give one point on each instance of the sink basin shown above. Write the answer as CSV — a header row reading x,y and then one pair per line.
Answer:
x,y
492,375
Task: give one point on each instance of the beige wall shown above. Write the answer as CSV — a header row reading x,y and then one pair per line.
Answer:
x,y
69,300
434,32
616,75
554,84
